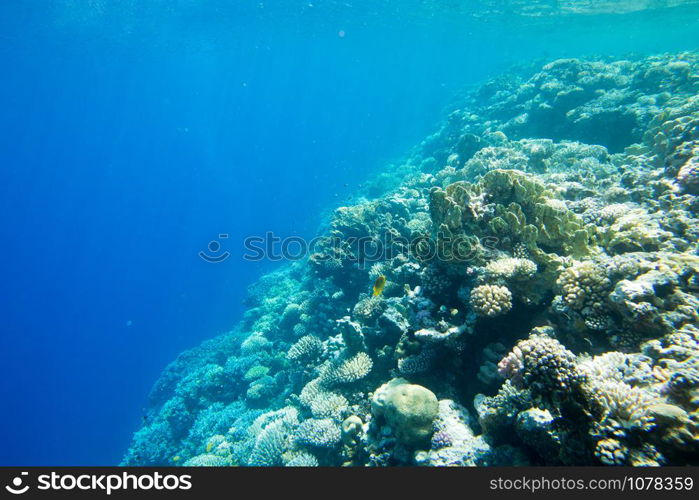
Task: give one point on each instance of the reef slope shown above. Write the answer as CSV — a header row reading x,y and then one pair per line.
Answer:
x,y
540,305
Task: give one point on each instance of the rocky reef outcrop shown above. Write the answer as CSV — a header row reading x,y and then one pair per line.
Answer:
x,y
541,263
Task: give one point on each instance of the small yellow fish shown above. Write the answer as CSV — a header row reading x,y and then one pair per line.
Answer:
x,y
379,284
176,458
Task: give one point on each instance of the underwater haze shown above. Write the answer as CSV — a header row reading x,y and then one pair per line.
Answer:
x,y
135,133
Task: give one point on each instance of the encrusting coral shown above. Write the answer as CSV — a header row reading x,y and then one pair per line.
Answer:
x,y
539,266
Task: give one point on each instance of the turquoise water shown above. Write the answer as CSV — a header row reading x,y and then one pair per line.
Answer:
x,y
134,133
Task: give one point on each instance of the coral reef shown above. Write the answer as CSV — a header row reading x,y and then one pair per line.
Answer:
x,y
540,304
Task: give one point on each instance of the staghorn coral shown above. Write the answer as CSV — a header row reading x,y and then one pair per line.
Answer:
x,y
626,413
269,446
311,391
622,405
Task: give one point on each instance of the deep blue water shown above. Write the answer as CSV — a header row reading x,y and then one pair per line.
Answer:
x,y
132,133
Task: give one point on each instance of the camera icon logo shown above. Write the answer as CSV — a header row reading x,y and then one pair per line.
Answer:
x,y
16,487
214,254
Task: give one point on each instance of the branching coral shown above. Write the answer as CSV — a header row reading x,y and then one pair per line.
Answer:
x,y
543,364
491,300
318,433
584,288
347,371
329,405
306,349
511,268
272,437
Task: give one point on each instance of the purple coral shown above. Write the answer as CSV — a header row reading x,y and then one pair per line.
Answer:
x,y
441,439
512,365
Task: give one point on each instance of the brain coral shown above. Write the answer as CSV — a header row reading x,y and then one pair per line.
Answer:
x,y
409,409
